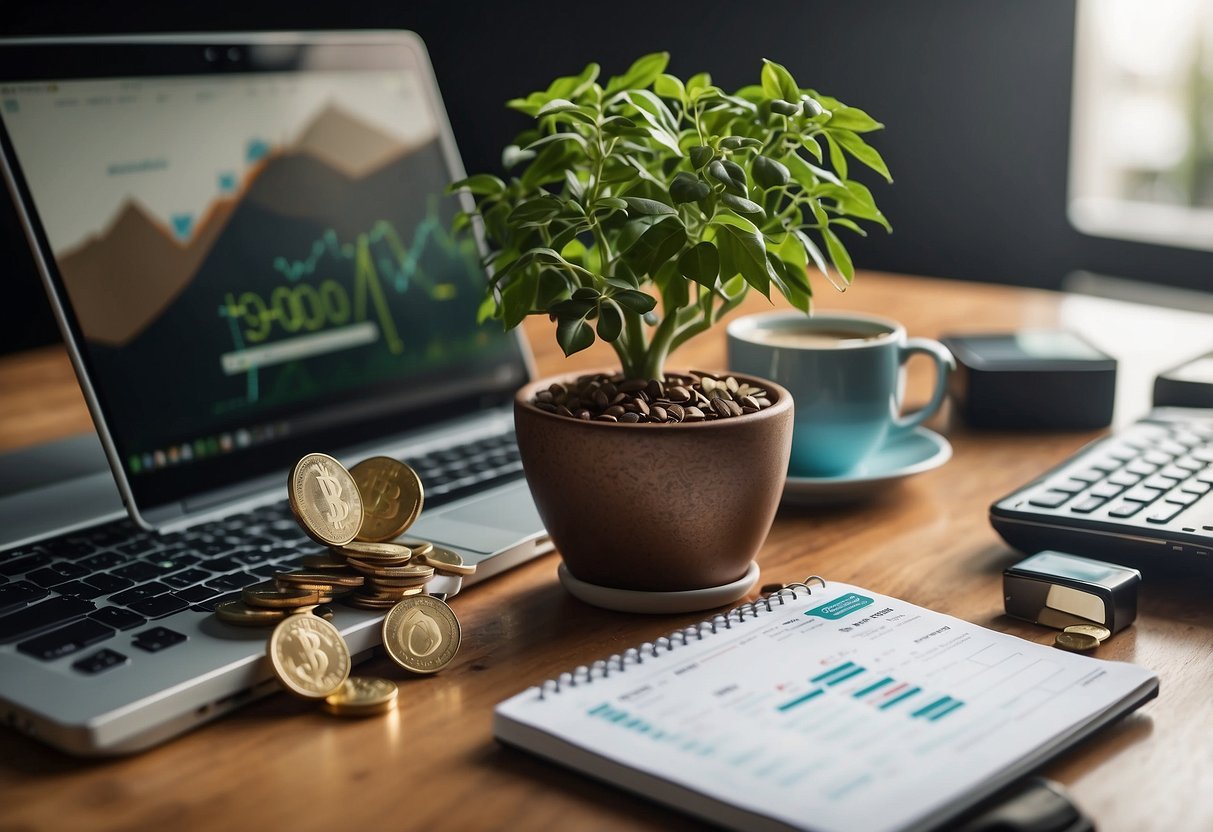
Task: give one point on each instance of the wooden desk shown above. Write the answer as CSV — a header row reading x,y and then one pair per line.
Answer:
x,y
281,763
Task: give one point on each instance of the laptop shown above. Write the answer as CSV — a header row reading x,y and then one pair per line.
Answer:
x,y
246,243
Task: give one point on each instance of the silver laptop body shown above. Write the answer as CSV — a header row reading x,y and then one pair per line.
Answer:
x,y
326,191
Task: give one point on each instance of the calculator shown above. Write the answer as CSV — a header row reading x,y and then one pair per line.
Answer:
x,y
1140,496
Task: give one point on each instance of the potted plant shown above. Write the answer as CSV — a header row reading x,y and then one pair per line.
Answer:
x,y
640,212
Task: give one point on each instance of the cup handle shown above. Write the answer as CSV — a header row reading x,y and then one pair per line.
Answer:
x,y
944,363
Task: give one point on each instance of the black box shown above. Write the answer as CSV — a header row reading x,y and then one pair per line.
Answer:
x,y
1048,379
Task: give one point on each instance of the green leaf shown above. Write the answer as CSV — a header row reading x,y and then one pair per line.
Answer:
x,y
853,119
572,86
769,173
701,264
518,300
810,144
622,126
610,204
700,156
813,251
514,155
552,138
640,74
610,320
838,255
777,82
573,335
675,291
487,308
550,165
795,287
849,224
837,158
635,301
698,83
744,252
688,188
553,287
730,174
743,206
482,184
656,245
572,308
535,210
561,106
638,206
861,150
667,86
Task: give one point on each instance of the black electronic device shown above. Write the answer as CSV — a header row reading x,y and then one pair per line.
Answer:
x,y
1048,379
1138,496
1188,385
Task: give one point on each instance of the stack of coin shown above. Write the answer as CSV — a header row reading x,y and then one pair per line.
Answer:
x,y
269,603
1082,638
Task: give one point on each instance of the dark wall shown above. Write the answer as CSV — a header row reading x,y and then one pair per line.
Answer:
x,y
975,97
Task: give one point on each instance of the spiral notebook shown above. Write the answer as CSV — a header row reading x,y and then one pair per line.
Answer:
x,y
828,708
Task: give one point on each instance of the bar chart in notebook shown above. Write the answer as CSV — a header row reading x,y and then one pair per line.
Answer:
x,y
876,689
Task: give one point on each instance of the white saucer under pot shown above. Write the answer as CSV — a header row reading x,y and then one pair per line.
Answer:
x,y
665,603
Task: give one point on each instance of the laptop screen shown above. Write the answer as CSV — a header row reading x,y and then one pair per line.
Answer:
x,y
255,259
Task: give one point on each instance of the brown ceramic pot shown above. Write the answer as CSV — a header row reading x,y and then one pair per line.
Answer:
x,y
657,507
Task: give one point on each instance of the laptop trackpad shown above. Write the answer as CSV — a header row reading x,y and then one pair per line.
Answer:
x,y
485,524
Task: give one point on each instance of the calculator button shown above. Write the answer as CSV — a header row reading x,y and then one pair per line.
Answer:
x,y
1087,504
157,639
1106,490
1124,478
1070,486
1049,499
1097,471
1196,487
1141,468
1164,512
1125,509
1141,494
102,660
1160,482
1182,498
1157,458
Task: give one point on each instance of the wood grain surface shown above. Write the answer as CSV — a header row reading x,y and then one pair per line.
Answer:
x,y
433,764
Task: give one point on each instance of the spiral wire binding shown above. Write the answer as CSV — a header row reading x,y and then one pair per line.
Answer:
x,y
619,662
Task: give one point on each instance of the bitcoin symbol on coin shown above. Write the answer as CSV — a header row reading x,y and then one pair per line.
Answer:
x,y
382,497
314,662
338,509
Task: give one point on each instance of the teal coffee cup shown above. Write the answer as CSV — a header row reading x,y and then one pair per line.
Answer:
x,y
846,372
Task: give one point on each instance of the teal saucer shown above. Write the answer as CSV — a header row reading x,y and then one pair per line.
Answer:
x,y
910,453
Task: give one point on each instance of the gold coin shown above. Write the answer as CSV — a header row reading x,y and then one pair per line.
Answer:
x,y
325,500
241,614
323,581
1076,642
394,593
446,562
365,602
421,634
409,570
362,696
322,562
374,552
393,497
269,595
419,547
309,655
1099,632
321,610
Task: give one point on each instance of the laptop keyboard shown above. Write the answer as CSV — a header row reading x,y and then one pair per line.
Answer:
x,y
63,595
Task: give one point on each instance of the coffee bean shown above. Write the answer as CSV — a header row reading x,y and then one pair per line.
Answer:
x,y
749,401
656,390
720,406
563,411
734,407
633,385
614,410
630,417
601,400
658,414
546,407
605,418
557,389
619,398
544,396
584,414
676,412
749,410
609,389
679,394
694,414
641,406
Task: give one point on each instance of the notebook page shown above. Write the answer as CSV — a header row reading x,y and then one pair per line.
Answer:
x,y
840,711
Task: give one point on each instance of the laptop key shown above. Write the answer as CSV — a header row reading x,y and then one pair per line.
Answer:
x,y
107,583
138,546
139,593
103,560
138,571
117,617
66,640
236,580
187,578
79,589
42,616
196,594
18,594
98,662
210,604
157,639
159,606
28,563
226,564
